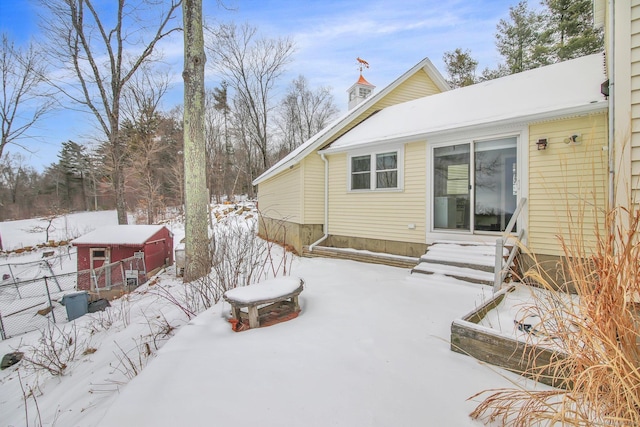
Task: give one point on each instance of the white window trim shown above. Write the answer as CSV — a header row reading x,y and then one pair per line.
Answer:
x,y
399,149
98,258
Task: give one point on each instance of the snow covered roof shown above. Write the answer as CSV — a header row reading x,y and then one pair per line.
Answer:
x,y
119,235
333,128
570,87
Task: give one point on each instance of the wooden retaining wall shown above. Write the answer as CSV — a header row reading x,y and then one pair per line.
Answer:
x,y
487,345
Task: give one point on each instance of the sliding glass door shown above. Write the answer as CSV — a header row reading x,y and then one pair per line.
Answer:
x,y
474,185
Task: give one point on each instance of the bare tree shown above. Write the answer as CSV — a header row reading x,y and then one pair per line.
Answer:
x,y
252,67
103,51
247,156
12,175
22,101
198,259
144,93
17,187
144,144
304,112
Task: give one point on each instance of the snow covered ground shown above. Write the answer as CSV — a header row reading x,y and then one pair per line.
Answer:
x,y
370,348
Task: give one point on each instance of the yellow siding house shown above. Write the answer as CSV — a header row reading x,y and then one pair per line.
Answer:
x,y
434,164
291,194
621,21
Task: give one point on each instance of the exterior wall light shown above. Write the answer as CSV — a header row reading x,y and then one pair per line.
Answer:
x,y
542,144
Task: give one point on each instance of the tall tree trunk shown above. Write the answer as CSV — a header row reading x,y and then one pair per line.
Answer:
x,y
85,198
198,260
117,177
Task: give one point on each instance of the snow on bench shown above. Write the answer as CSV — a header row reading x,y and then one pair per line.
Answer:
x,y
274,295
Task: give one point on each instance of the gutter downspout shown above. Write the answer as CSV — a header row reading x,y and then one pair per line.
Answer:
x,y
326,204
612,61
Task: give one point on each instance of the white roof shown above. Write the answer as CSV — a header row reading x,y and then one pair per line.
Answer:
x,y
569,87
119,235
329,131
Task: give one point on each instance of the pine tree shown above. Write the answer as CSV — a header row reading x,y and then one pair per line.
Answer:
x,y
521,39
461,68
570,24
73,165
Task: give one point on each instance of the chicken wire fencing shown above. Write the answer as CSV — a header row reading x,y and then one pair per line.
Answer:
x,y
126,274
27,304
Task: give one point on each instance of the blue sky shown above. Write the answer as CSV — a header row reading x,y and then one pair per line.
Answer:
x,y
329,34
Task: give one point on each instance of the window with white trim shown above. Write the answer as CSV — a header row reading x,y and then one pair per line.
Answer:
x,y
378,171
98,253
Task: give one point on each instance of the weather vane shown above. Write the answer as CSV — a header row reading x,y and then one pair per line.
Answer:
x,y
362,64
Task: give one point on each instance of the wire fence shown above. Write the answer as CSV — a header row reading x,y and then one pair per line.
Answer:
x,y
27,304
126,273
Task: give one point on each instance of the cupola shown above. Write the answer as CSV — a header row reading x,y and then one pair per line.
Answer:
x,y
361,89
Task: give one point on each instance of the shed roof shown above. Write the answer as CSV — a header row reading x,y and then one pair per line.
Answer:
x,y
119,235
569,87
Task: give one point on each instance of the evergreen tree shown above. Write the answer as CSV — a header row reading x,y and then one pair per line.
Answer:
x,y
570,25
461,68
521,40
73,164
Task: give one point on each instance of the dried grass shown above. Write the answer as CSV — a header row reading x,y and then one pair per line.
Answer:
x,y
598,332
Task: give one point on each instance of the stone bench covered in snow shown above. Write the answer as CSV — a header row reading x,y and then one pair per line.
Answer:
x,y
265,302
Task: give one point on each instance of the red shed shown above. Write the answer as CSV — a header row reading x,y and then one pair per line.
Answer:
x,y
122,255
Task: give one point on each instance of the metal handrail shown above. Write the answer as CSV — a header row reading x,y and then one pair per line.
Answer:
x,y
501,268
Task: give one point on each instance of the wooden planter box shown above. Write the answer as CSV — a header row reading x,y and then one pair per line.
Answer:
x,y
487,345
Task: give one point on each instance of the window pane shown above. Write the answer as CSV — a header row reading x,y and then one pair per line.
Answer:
x,y
361,164
451,187
387,179
387,161
361,181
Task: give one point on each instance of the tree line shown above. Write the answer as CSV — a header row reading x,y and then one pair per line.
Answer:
x,y
116,75
561,30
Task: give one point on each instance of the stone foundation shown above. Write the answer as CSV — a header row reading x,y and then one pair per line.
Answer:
x,y
289,233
